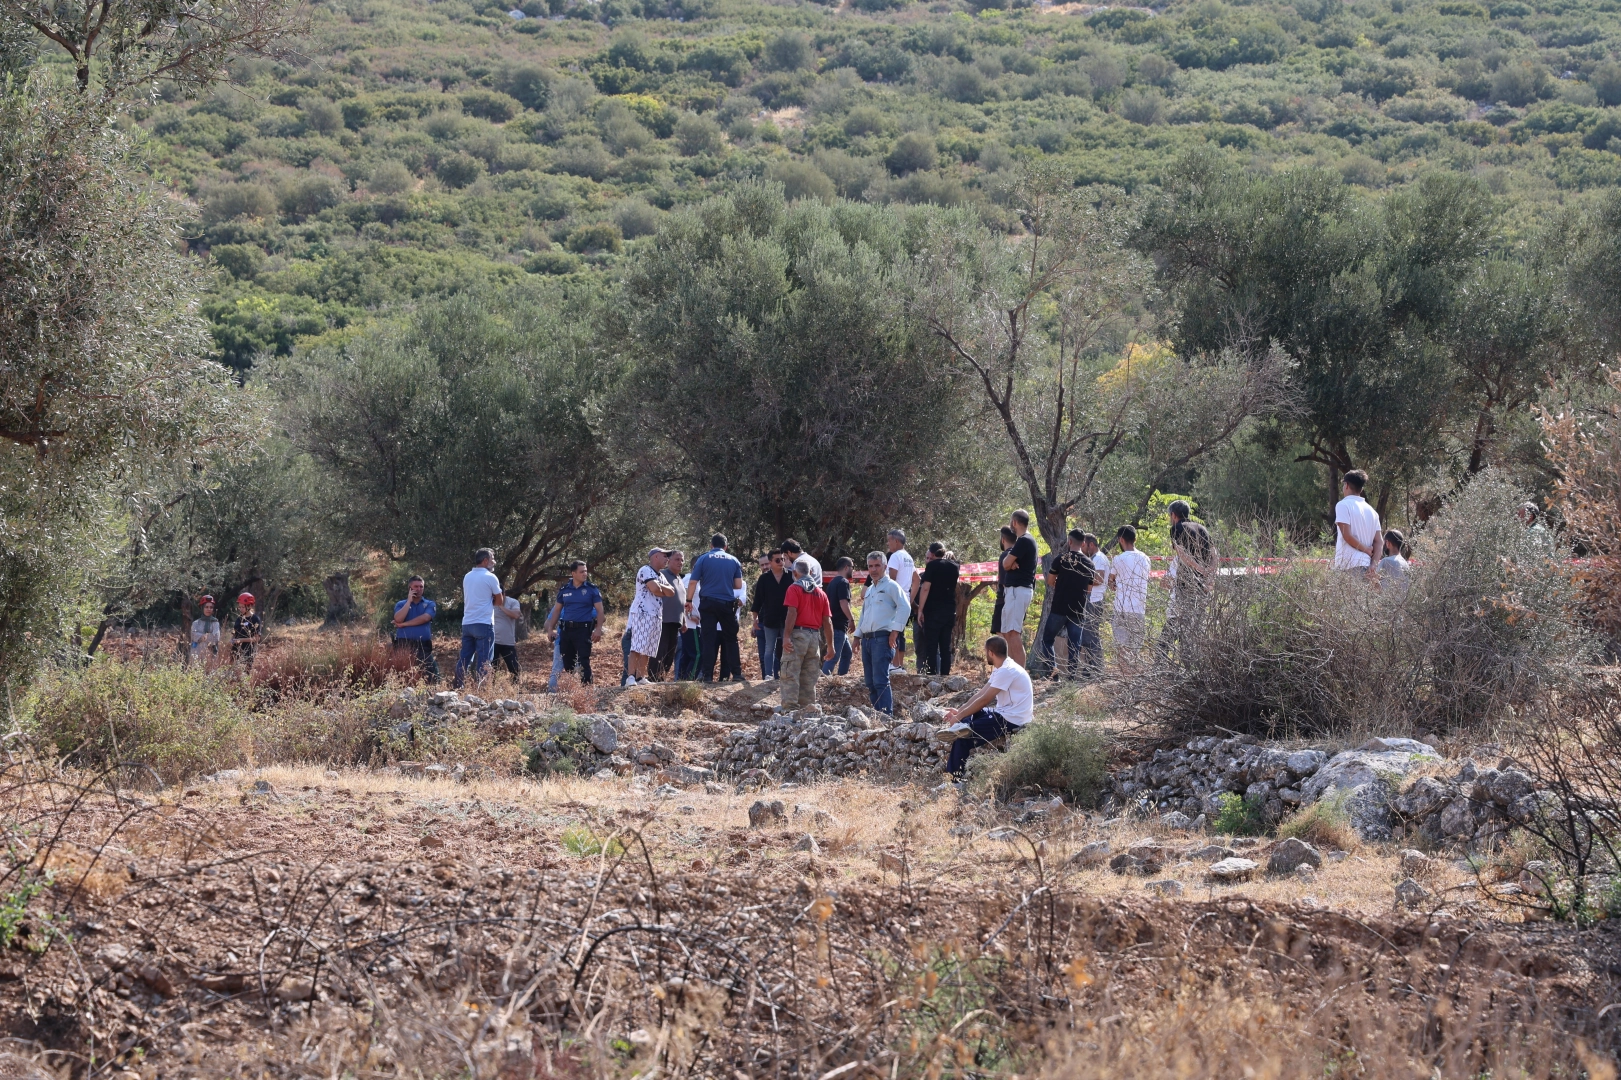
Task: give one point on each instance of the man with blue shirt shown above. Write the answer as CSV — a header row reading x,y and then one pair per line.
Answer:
x,y
413,628
481,592
884,611
712,593
577,617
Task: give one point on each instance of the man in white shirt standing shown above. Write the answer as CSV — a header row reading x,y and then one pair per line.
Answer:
x,y
1358,542
1005,705
481,593
1092,621
903,571
1129,572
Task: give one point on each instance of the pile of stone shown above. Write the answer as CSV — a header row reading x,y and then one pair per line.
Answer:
x,y
419,713
1191,779
608,751
1475,806
836,693
801,744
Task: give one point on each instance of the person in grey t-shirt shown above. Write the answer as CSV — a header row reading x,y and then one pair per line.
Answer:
x,y
670,632
1393,568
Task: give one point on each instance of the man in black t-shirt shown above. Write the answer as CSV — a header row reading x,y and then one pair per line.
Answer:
x,y
837,588
937,602
1019,584
1069,581
1191,578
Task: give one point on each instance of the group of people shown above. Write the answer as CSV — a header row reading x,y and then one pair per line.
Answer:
x,y
206,644
685,624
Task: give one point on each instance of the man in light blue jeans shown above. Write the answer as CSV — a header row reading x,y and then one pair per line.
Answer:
x,y
884,610
481,593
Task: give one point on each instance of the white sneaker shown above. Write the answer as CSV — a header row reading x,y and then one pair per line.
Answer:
x,y
893,670
630,680
951,734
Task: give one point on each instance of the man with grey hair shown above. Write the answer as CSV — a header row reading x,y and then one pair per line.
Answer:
x,y
884,610
903,571
647,615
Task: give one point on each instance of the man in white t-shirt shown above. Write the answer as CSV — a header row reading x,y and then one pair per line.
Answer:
x,y
1005,705
1358,541
904,572
1092,620
1128,573
481,593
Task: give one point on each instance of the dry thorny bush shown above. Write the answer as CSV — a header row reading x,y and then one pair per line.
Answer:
x,y
161,939
1489,622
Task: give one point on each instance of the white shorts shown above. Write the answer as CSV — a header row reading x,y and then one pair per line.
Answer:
x,y
645,630
1129,629
1015,606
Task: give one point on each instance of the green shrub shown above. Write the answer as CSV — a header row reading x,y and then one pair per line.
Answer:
x,y
601,236
1325,823
1052,755
1239,816
178,721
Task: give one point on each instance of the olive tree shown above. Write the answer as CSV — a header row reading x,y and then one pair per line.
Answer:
x,y
107,394
478,420
782,384
119,44
1042,327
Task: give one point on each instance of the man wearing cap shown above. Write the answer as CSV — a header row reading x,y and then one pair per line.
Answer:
x,y
481,592
205,634
577,619
413,628
246,630
647,615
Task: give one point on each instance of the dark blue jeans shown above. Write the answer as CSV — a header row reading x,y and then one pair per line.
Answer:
x,y
478,643
875,657
686,654
770,643
1071,629
986,726
841,655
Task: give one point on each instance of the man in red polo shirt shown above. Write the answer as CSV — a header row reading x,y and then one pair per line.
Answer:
x,y
809,638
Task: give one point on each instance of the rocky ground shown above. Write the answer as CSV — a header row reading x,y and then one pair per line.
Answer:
x,y
721,888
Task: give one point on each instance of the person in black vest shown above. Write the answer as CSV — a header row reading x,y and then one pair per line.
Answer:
x,y
937,602
1019,585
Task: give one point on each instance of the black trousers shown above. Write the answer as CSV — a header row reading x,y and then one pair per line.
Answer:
x,y
717,635
574,639
421,650
508,655
934,644
665,659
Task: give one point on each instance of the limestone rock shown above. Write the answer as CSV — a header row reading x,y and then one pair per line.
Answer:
x,y
1410,894
1093,854
1415,863
807,843
602,736
1291,853
763,813
1231,871
1353,768
1211,853
1167,887
1306,872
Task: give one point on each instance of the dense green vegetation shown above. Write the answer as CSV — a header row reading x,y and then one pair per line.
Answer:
x,y
571,277
422,147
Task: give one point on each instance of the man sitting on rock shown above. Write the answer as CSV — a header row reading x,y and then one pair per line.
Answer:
x,y
978,723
